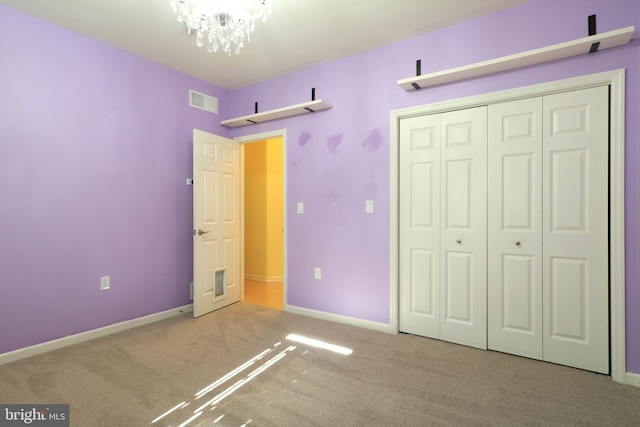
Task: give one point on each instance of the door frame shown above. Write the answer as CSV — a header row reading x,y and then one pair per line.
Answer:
x,y
279,133
616,81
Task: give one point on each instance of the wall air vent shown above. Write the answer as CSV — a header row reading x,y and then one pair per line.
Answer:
x,y
203,102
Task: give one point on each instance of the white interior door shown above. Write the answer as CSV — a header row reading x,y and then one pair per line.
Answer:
x,y
216,222
515,228
575,234
419,223
463,206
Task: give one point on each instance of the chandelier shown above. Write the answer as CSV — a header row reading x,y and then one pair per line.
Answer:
x,y
221,23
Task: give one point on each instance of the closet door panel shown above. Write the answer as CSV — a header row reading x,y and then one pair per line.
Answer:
x,y
575,237
464,227
515,228
419,248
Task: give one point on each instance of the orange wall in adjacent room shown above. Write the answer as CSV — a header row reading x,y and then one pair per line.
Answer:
x,y
263,207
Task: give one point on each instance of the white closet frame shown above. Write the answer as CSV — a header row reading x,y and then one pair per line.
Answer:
x,y
616,80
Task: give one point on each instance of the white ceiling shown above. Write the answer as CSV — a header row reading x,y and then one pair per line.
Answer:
x,y
298,34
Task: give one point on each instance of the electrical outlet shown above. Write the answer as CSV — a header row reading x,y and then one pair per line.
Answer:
x,y
317,273
105,283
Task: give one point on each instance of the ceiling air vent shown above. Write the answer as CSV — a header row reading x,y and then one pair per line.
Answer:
x,y
203,102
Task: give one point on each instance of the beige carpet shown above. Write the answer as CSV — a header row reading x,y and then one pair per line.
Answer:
x,y
131,378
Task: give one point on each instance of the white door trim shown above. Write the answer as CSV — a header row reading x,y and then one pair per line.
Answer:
x,y
616,80
279,133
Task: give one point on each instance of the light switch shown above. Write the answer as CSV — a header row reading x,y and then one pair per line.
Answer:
x,y
317,273
300,207
368,207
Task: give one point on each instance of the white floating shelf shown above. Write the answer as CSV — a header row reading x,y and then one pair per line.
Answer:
x,y
279,113
532,57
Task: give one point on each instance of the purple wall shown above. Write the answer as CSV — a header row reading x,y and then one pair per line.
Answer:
x,y
95,148
339,158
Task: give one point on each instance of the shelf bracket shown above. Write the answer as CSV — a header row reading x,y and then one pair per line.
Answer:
x,y
415,85
255,109
313,98
592,32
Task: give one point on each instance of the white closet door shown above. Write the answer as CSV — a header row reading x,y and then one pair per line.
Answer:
x,y
515,228
419,218
463,294
575,242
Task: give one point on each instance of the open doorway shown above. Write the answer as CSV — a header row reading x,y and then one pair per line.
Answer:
x,y
263,175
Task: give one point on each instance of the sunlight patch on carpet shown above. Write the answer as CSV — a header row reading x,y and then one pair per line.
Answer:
x,y
257,370
319,344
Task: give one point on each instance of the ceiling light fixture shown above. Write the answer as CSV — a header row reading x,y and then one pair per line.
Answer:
x,y
223,23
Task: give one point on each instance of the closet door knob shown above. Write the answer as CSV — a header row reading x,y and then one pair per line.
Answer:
x,y
517,243
458,241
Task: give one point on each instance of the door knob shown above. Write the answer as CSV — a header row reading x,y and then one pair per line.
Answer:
x,y
201,232
459,241
517,243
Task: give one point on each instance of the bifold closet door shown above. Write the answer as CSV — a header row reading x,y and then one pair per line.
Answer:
x,y
548,267
575,229
419,218
515,228
442,248
463,207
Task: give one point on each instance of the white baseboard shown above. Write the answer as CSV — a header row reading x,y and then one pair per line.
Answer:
x,y
337,318
258,278
633,379
44,347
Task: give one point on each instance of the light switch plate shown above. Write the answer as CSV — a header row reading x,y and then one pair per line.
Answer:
x,y
300,207
105,283
368,206
317,273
